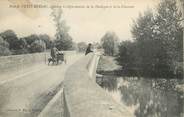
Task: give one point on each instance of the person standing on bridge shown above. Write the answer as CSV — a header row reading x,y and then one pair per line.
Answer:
x,y
88,50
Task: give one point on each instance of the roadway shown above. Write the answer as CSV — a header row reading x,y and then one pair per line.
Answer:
x,y
27,94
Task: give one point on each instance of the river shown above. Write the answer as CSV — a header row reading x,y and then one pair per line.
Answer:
x,y
145,97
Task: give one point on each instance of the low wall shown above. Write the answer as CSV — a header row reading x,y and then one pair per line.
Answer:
x,y
19,62
83,97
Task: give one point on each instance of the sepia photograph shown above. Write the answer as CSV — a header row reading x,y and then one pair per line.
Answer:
x,y
91,58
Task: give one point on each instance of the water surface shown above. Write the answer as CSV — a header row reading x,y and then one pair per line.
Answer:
x,y
146,97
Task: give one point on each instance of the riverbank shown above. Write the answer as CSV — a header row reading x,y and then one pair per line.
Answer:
x,y
108,66
158,97
107,63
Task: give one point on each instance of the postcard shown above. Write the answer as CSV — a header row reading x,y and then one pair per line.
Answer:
x,y
91,58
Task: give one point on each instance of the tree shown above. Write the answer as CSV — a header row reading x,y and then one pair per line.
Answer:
x,y
23,43
148,45
158,42
74,46
63,39
4,47
46,39
65,43
171,31
38,46
82,46
32,38
171,36
128,58
97,45
10,37
110,43
23,47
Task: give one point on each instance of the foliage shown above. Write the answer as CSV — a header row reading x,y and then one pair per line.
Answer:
x,y
31,38
16,46
38,46
47,40
11,38
110,43
23,43
37,43
74,46
97,45
23,47
82,46
158,42
4,47
127,57
29,44
64,43
63,39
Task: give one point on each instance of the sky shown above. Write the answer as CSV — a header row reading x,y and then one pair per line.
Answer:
x,y
86,24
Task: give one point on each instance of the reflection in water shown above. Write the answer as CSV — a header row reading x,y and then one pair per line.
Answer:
x,y
154,97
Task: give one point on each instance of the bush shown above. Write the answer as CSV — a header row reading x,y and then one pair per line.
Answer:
x,y
37,46
4,51
4,47
82,46
64,43
10,37
46,39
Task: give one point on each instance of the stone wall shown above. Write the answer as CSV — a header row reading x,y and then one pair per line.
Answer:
x,y
20,62
15,63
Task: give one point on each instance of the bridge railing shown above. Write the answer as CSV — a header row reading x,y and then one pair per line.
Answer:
x,y
92,66
83,97
16,63
20,62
